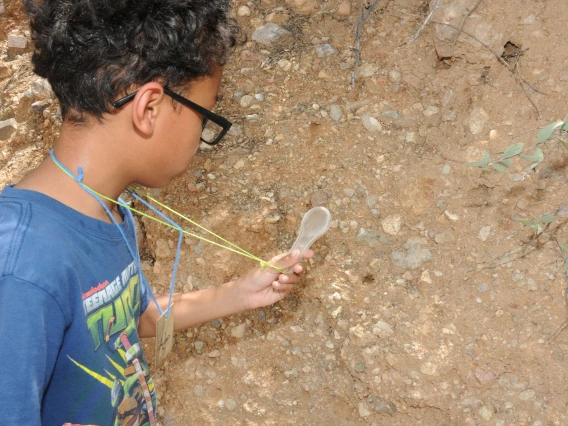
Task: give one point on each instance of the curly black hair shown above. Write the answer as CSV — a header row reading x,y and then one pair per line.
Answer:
x,y
91,51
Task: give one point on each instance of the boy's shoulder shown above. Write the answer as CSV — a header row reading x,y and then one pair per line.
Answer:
x,y
49,244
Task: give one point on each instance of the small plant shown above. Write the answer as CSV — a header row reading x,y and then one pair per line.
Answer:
x,y
503,163
538,224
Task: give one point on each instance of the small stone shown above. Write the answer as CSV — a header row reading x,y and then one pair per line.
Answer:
x,y
482,288
446,169
416,254
430,111
273,218
363,411
39,89
484,233
366,70
371,239
410,137
40,106
246,101
323,50
243,11
319,198
344,8
162,249
198,390
199,346
449,116
485,413
445,236
381,405
230,404
477,120
526,395
394,76
303,7
452,216
425,277
529,20
371,124
392,224
239,164
335,112
428,368
382,329
215,353
285,64
7,128
349,192
485,377
18,41
324,75
270,34
239,331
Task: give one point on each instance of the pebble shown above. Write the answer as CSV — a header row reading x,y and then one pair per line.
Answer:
x,y
382,329
381,405
416,254
410,137
363,410
526,395
371,124
482,288
239,331
477,120
39,89
484,233
485,413
449,116
303,7
198,390
319,198
7,128
392,224
230,404
529,20
215,353
246,101
270,34
445,236
335,112
430,111
323,50
394,76
366,70
285,64
18,41
425,277
446,169
428,368
243,11
344,8
452,216
371,239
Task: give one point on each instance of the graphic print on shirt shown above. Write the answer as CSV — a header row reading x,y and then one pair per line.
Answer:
x,y
111,310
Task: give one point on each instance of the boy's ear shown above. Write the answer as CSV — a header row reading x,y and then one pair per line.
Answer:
x,y
146,107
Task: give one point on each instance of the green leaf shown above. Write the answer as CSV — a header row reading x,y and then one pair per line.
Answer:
x,y
564,127
564,143
483,163
507,162
537,156
564,248
521,220
513,150
547,131
547,218
500,168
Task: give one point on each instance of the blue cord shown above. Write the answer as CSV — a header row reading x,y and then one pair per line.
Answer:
x,y
135,257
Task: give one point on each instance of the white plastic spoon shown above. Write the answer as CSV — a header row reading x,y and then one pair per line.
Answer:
x,y
315,223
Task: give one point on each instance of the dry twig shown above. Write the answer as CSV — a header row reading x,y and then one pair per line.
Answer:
x,y
469,12
510,67
426,21
362,18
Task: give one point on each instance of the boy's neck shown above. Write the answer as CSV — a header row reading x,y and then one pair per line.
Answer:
x,y
104,171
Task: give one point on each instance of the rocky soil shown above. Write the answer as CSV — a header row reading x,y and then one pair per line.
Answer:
x,y
409,313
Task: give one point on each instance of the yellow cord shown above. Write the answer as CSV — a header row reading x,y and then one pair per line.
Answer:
x,y
236,248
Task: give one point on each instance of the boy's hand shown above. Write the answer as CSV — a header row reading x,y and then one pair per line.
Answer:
x,y
260,288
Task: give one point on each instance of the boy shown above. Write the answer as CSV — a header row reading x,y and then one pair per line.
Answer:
x,y
136,80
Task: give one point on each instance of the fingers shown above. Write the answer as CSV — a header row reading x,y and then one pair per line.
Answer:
x,y
282,288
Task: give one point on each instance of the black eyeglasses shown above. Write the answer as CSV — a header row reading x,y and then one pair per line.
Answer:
x,y
214,126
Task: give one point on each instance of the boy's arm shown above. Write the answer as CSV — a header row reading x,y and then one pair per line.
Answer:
x,y
257,288
31,332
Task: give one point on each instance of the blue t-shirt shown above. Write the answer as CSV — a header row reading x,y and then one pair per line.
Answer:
x,y
70,300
